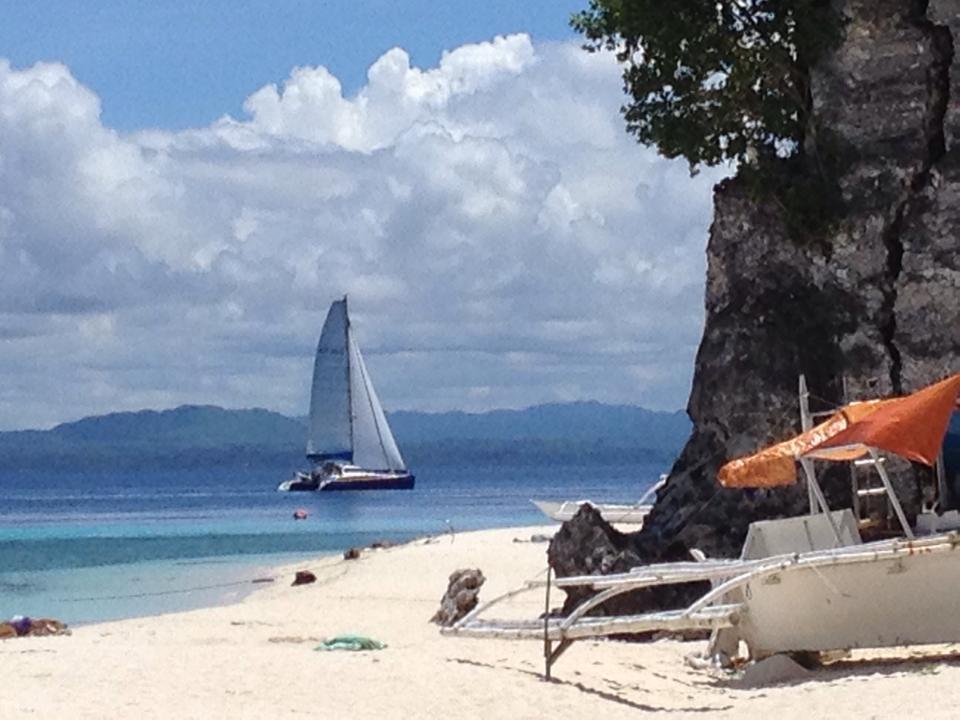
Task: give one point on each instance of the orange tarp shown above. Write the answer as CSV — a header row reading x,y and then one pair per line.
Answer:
x,y
912,427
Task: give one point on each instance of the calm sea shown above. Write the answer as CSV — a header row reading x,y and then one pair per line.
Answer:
x,y
95,546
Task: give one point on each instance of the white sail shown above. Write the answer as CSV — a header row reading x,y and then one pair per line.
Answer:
x,y
373,443
329,434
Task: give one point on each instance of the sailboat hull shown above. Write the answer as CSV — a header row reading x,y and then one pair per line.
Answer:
x,y
373,482
354,481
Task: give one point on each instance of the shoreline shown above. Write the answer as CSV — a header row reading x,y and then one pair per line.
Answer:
x,y
255,658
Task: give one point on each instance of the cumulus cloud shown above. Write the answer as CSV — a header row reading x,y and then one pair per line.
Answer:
x,y
503,240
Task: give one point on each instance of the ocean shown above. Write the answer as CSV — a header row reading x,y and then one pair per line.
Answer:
x,y
88,547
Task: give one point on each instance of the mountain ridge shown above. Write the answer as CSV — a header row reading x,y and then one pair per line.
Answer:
x,y
209,434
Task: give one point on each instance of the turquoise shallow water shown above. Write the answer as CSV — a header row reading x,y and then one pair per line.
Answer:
x,y
95,546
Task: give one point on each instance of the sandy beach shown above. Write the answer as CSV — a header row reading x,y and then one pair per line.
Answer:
x,y
256,658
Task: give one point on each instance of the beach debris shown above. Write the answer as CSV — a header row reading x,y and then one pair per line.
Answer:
x,y
304,577
350,642
353,553
20,626
537,538
461,596
300,514
381,545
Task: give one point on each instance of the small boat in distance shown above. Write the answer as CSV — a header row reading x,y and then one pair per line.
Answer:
x,y
563,510
634,514
349,442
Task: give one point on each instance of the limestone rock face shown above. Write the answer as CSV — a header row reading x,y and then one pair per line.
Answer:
x,y
876,306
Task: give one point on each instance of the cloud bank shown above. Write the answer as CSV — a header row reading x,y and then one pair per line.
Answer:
x,y
503,242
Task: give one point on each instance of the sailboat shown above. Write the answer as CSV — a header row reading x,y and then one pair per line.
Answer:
x,y
349,443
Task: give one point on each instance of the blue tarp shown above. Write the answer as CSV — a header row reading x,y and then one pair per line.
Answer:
x,y
951,448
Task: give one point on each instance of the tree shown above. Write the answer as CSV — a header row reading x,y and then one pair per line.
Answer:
x,y
714,80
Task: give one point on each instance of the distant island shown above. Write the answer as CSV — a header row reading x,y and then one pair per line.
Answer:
x,y
192,436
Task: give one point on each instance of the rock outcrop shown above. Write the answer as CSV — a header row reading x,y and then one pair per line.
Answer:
x,y
461,596
875,307
303,577
588,545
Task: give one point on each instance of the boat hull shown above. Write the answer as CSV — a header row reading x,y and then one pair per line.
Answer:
x,y
396,482
622,514
870,604
372,481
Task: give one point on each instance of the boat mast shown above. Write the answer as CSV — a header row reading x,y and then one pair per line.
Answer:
x,y
806,422
346,349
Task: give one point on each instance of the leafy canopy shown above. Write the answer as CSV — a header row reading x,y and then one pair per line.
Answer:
x,y
714,80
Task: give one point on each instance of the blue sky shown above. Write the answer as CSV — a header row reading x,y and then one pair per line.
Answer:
x,y
182,63
184,188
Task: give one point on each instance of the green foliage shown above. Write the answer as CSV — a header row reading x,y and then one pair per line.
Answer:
x,y
714,80
807,190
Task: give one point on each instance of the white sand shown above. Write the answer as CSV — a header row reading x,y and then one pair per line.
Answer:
x,y
255,659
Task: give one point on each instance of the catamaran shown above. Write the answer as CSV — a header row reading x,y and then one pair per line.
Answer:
x,y
349,443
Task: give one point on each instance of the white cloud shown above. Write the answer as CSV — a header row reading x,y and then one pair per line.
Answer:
x,y
505,242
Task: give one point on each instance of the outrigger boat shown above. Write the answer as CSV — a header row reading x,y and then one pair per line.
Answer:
x,y
802,584
635,514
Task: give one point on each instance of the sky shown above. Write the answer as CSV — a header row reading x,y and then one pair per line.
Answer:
x,y
185,187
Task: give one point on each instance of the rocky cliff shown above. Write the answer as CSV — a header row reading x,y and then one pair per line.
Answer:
x,y
877,302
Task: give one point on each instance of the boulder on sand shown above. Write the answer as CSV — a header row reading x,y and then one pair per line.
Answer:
x,y
460,598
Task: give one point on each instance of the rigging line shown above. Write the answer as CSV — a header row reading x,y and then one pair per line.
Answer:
x,y
829,403
157,593
215,586
340,565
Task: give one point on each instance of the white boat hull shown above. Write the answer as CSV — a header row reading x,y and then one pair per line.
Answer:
x,y
624,514
908,600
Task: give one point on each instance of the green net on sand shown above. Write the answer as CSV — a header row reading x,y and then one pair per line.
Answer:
x,y
350,642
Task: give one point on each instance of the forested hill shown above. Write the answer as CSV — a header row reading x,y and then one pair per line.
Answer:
x,y
200,435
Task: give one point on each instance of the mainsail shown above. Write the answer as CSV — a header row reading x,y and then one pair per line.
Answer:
x,y
346,419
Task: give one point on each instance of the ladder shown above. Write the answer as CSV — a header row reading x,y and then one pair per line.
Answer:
x,y
862,490
865,489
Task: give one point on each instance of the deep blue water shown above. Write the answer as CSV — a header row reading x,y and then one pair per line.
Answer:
x,y
93,546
